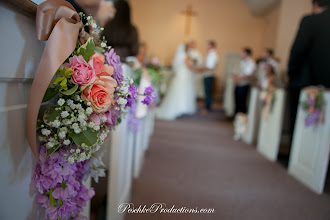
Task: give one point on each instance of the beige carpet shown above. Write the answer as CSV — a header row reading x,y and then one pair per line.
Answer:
x,y
194,163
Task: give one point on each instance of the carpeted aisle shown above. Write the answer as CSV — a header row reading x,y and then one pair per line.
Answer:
x,y
195,163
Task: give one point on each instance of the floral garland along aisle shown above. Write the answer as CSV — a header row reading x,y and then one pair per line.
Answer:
x,y
91,97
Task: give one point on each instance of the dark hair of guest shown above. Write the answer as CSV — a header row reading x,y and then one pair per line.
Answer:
x,y
322,3
270,51
248,51
212,43
120,33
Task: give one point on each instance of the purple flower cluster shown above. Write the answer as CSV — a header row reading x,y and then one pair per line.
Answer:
x,y
113,59
133,122
150,94
133,95
112,118
59,185
312,118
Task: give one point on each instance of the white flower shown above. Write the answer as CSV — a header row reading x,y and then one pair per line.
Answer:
x,y
78,106
103,44
75,126
71,160
77,97
82,156
50,145
83,124
64,114
67,122
94,25
66,142
69,102
96,127
78,151
77,131
45,131
91,124
103,118
61,102
102,29
72,151
89,111
122,101
82,117
61,134
65,129
124,90
89,18
56,123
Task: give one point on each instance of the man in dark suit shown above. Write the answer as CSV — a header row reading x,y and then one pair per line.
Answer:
x,y
310,55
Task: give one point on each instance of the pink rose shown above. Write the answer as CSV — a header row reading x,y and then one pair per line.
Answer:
x,y
97,61
84,73
100,93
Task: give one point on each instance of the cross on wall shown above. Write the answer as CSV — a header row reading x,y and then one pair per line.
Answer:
x,y
188,13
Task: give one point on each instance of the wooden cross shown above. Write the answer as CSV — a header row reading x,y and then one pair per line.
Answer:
x,y
189,13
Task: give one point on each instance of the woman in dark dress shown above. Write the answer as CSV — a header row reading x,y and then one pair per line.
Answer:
x,y
120,33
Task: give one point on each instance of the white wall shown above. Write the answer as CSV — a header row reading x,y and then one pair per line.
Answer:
x,y
20,56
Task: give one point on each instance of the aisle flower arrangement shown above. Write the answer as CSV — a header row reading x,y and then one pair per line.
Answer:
x,y
313,105
87,98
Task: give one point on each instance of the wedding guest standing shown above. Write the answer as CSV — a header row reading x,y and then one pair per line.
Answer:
x,y
267,59
211,63
120,33
243,79
309,58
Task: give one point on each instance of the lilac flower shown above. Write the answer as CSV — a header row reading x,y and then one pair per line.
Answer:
x,y
112,117
133,90
310,102
312,118
113,60
133,122
150,96
60,190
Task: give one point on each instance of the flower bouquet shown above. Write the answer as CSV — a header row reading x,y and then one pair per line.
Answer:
x,y
88,98
313,105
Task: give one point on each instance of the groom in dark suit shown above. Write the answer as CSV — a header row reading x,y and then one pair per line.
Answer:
x,y
309,62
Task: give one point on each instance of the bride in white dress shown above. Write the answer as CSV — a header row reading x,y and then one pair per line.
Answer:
x,y
180,98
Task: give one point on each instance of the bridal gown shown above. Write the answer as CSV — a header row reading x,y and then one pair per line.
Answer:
x,y
180,98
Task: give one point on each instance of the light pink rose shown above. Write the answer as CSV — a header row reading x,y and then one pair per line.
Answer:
x,y
97,61
84,73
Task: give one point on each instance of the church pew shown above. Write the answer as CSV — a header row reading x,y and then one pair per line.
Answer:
x,y
232,65
270,128
310,149
251,134
119,162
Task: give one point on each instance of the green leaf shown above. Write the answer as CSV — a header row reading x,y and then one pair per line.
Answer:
x,y
82,90
87,50
51,114
68,73
52,150
88,137
50,93
99,49
70,91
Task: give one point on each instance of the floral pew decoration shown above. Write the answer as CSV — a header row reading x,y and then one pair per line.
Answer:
x,y
88,98
313,105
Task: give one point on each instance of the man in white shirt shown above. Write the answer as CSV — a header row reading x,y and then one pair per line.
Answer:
x,y
211,63
242,80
